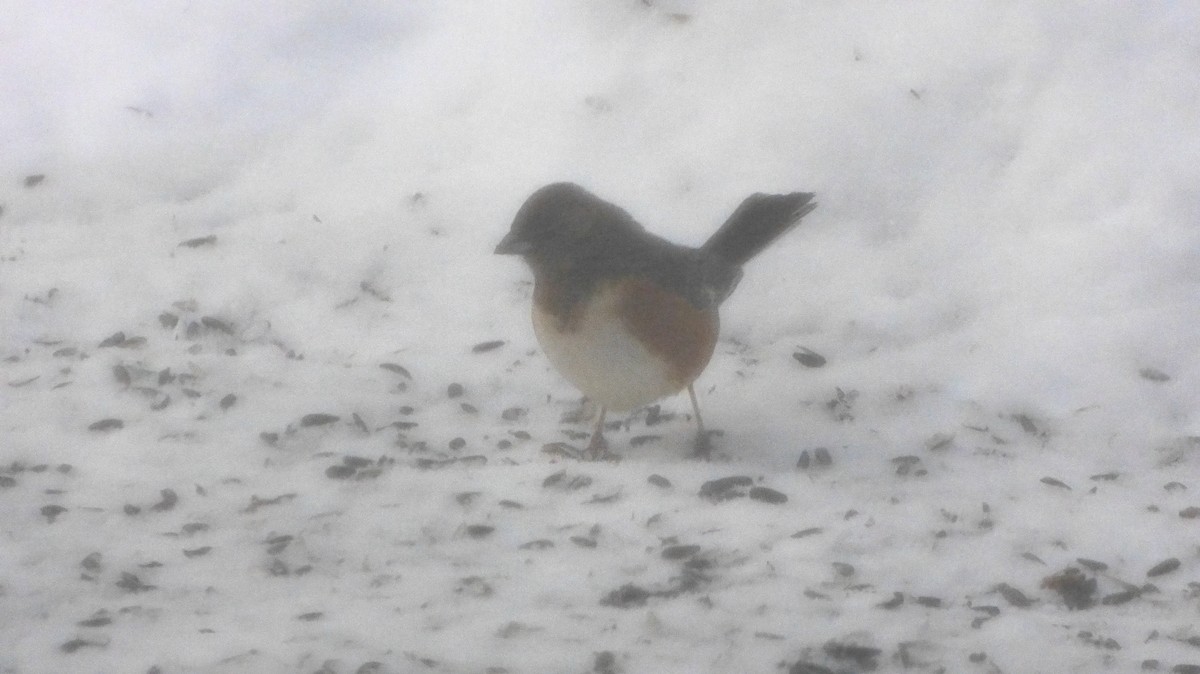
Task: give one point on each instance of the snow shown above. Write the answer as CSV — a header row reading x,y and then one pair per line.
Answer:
x,y
272,201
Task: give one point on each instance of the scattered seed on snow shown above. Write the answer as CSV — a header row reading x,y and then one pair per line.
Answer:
x,y
479,530
725,487
1014,596
1076,589
106,425
939,441
398,369
561,480
805,667
863,656
340,472
356,461
1027,423
626,596
199,241
1055,482
907,465
431,464
169,499
466,498
1164,567
605,498
214,323
193,528
24,382
809,358
1123,597
767,495
96,621
484,347
474,586
76,644
1033,558
659,481
92,562
680,551
318,419
256,502
277,544
131,583
539,544
51,512
1154,375
605,662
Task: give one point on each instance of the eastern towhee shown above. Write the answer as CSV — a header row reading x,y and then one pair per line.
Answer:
x,y
626,316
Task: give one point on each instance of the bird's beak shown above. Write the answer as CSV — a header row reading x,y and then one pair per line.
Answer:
x,y
511,245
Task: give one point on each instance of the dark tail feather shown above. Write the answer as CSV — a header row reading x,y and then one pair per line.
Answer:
x,y
760,219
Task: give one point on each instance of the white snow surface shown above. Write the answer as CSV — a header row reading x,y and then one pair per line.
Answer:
x,y
288,209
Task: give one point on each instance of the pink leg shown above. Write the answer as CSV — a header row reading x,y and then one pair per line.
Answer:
x,y
597,448
703,446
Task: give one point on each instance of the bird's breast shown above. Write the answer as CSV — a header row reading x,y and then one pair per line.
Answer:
x,y
629,343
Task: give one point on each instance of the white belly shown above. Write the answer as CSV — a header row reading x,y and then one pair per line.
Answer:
x,y
602,359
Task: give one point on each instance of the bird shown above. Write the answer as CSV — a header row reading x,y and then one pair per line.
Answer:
x,y
627,316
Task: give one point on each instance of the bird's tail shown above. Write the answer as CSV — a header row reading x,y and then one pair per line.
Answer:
x,y
760,219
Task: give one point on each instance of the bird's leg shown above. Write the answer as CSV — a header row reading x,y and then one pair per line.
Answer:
x,y
703,446
597,448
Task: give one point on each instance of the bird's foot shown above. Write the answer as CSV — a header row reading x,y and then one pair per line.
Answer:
x,y
702,448
597,450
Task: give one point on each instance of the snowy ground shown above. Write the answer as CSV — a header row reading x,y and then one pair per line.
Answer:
x,y
269,404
